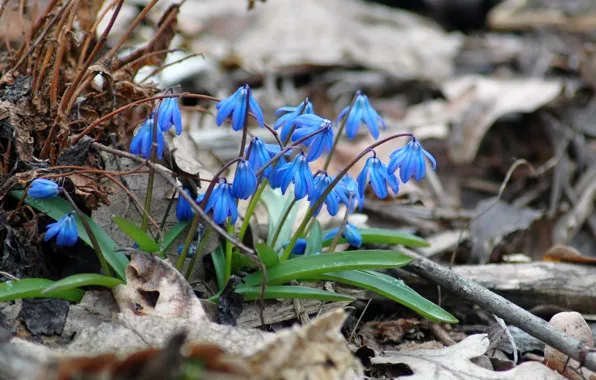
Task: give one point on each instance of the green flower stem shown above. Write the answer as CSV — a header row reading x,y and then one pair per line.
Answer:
x,y
229,247
282,222
300,231
198,253
251,208
100,256
189,238
341,227
339,132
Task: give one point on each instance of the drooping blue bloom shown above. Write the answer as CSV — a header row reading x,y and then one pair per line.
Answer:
x,y
410,161
298,248
260,153
347,189
245,181
362,112
168,115
192,249
277,175
321,183
65,231
299,173
319,143
43,188
184,212
222,203
235,105
142,141
350,233
286,121
379,178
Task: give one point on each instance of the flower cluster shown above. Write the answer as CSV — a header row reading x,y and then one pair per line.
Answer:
x,y
304,138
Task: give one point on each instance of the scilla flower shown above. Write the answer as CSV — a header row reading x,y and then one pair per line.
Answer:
x,y
184,212
142,141
245,181
350,233
379,178
260,153
298,248
321,183
43,188
168,115
362,112
285,122
319,143
235,105
222,203
65,231
299,173
410,161
347,189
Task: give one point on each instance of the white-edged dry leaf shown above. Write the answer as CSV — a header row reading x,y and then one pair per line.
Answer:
x,y
453,363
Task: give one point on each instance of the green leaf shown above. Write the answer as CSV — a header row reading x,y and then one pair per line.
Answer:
x,y
391,288
84,279
307,267
314,243
276,205
33,287
172,234
239,260
383,236
283,292
267,254
145,242
219,262
57,207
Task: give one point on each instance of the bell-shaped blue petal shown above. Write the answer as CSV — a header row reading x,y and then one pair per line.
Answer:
x,y
298,173
236,106
410,161
245,181
222,203
258,156
320,184
142,141
350,233
298,248
168,115
347,189
375,173
43,188
65,231
285,122
184,212
319,143
361,112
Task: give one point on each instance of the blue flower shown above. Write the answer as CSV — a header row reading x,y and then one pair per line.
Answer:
x,y
245,181
319,143
235,105
260,153
350,233
168,115
347,189
285,122
299,173
184,212
321,183
298,248
379,178
43,188
222,203
192,249
362,112
65,231
410,161
142,141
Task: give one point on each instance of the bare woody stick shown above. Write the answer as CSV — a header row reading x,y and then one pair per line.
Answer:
x,y
503,308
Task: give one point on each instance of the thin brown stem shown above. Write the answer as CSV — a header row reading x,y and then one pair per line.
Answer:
x,y
162,67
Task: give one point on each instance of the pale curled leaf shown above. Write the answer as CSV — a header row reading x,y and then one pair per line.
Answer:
x,y
454,363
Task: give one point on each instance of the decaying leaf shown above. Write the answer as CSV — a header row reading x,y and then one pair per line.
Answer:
x,y
573,324
454,363
567,254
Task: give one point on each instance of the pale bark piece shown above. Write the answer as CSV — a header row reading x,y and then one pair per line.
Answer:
x,y
454,363
571,323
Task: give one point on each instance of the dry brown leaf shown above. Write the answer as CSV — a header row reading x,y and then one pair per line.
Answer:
x,y
454,363
567,254
573,324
